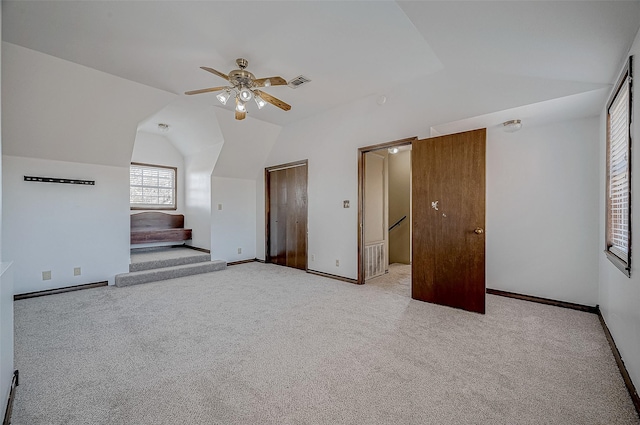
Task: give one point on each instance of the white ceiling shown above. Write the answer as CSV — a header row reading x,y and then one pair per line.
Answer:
x,y
349,50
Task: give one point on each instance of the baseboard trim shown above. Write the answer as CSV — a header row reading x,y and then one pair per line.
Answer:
x,y
332,276
260,261
195,248
540,300
12,395
59,290
623,369
235,263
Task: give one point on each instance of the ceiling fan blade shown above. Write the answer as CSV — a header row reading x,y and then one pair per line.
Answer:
x,y
275,81
213,71
240,115
205,90
273,100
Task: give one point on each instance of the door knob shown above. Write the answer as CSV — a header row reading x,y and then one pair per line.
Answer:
x,y
478,231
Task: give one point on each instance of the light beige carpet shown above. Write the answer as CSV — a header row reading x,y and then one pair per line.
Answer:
x,y
263,344
142,255
397,280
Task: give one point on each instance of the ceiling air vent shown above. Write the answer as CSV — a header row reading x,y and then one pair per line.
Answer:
x,y
298,81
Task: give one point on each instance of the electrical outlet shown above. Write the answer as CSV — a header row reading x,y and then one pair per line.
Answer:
x,y
239,250
337,263
313,257
345,204
77,271
46,275
219,207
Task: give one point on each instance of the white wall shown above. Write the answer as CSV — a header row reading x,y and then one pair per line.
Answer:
x,y
198,169
542,209
158,150
619,296
6,301
57,227
400,206
247,144
233,226
374,198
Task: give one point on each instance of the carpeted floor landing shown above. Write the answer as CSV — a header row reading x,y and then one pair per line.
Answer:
x,y
396,280
263,344
140,255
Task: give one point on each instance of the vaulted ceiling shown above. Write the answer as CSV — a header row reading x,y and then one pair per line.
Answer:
x,y
528,51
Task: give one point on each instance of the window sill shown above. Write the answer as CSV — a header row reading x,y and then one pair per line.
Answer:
x,y
155,208
620,264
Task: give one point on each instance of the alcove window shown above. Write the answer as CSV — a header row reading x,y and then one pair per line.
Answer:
x,y
152,187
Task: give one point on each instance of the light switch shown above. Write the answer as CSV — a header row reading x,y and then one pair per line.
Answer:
x,y
345,204
219,207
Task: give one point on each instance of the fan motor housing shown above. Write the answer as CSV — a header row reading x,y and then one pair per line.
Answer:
x,y
240,77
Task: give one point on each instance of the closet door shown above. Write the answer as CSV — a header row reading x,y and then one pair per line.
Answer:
x,y
286,191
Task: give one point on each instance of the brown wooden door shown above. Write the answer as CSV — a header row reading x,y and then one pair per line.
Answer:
x,y
287,215
448,190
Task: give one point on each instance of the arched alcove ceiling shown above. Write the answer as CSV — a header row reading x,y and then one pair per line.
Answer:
x,y
196,127
193,126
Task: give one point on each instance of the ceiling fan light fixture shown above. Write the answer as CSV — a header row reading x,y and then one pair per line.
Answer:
x,y
242,87
259,101
224,97
512,126
245,94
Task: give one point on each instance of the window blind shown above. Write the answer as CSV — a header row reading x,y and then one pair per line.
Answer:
x,y
152,187
618,208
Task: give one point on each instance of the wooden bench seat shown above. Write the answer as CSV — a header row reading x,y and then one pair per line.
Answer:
x,y
148,227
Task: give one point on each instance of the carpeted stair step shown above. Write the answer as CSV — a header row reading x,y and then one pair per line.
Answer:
x,y
145,276
169,262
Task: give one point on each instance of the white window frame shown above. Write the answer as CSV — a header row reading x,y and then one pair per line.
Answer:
x,y
618,183
154,206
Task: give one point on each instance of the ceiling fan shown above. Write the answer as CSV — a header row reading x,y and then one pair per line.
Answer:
x,y
244,87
